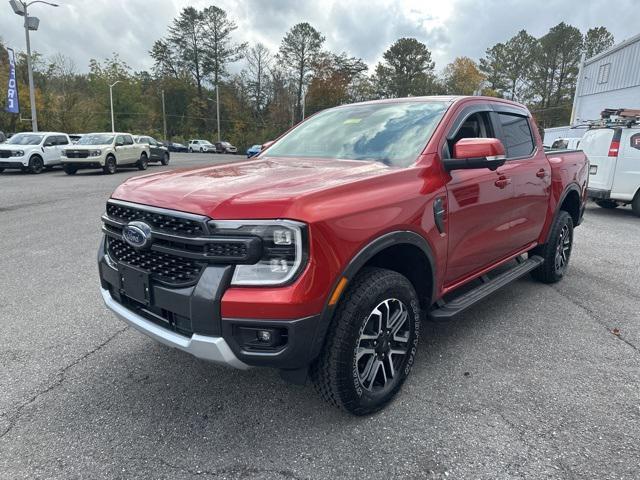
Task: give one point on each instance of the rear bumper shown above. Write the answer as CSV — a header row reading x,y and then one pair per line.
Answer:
x,y
598,194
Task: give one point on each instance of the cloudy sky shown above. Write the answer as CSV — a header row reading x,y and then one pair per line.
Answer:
x,y
84,29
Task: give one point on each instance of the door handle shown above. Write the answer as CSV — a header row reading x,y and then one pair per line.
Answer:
x,y
502,182
541,173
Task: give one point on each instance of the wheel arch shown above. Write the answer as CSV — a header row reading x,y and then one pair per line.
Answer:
x,y
569,202
400,251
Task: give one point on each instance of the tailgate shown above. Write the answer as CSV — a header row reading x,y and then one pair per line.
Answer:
x,y
596,144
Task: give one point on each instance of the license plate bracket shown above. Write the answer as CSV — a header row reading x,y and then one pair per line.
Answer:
x,y
135,284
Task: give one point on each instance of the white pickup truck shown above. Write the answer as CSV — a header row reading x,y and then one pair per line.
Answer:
x,y
33,152
107,151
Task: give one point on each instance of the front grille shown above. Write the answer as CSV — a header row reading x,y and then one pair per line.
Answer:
x,y
5,153
163,267
77,153
162,222
227,249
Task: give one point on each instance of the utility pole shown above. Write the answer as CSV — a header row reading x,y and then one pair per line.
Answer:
x,y
113,127
164,118
30,23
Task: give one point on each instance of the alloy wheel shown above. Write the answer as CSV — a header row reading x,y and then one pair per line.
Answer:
x,y
563,249
383,345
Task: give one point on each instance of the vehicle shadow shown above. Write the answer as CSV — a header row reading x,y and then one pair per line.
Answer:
x,y
620,212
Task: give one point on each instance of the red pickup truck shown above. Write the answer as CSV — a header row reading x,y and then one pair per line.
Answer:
x,y
321,256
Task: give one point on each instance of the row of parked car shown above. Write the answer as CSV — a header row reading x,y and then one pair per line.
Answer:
x,y
37,151
34,152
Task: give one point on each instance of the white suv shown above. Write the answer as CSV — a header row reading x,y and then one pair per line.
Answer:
x,y
107,151
202,146
33,152
614,156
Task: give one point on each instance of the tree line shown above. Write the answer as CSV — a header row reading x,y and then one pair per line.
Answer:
x,y
274,89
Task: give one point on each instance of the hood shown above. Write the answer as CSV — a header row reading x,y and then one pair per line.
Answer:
x,y
75,146
263,188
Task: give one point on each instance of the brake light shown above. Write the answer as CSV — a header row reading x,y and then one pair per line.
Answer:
x,y
614,148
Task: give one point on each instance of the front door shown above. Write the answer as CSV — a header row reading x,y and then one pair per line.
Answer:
x,y
50,150
478,219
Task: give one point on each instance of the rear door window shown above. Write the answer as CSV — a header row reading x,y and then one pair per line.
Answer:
x,y
128,140
62,140
517,136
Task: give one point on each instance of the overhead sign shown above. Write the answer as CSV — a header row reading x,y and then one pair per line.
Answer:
x,y
12,89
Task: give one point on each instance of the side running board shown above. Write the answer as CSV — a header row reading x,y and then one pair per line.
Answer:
x,y
444,311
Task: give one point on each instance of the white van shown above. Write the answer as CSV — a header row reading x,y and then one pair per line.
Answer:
x,y
572,143
614,172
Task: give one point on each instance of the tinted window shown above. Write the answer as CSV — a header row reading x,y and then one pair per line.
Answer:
x,y
49,141
560,144
62,140
128,140
518,140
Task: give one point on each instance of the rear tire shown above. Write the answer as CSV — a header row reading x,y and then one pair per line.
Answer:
x,y
143,163
36,165
371,343
70,169
635,205
1,170
556,252
165,159
608,204
110,166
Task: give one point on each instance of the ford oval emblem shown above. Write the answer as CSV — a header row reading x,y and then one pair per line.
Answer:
x,y
137,234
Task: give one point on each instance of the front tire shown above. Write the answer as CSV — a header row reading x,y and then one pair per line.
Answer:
x,y
371,343
635,204
165,159
110,166
143,163
70,169
36,165
556,252
608,204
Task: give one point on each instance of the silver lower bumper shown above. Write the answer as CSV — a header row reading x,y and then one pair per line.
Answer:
x,y
213,349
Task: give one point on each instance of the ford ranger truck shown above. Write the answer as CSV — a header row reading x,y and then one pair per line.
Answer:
x,y
107,151
322,255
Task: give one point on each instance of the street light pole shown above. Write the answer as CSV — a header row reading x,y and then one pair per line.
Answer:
x,y
164,118
32,94
218,111
20,8
113,127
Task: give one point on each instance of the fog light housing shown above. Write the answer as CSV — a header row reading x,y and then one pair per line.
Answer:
x,y
260,338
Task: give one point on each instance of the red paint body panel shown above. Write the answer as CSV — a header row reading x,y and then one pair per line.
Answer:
x,y
348,204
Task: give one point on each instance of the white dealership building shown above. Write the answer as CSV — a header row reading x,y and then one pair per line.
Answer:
x,y
611,79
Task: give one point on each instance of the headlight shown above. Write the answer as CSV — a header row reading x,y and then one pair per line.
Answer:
x,y
95,153
17,153
284,249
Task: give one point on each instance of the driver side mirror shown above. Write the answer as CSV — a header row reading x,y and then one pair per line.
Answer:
x,y
48,144
476,153
267,145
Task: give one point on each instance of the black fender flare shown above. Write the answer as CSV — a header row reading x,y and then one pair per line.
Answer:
x,y
572,187
401,237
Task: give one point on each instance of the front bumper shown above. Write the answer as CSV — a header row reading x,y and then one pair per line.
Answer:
x,y
12,164
213,349
188,318
598,194
88,162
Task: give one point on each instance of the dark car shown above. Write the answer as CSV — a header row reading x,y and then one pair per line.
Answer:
x,y
175,147
3,138
225,147
157,151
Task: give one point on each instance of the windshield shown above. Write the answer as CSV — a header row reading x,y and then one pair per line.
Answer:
x,y
142,140
25,139
390,133
96,139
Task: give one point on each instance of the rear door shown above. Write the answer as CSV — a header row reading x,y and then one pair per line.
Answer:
x,y
529,172
601,149
155,151
626,180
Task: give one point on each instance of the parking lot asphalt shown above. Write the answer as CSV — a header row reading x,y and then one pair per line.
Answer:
x,y
535,382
